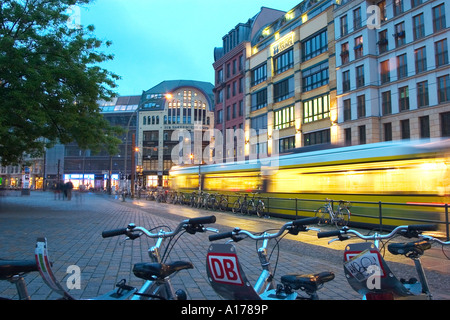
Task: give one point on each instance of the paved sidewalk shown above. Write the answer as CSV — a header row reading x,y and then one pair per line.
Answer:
x,y
73,229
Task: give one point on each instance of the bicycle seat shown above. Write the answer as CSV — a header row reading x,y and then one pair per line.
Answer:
x,y
154,271
414,248
10,268
307,283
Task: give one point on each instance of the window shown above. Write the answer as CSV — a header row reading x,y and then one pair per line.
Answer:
x,y
220,76
315,77
360,76
284,118
387,131
445,124
361,106
386,102
441,52
259,123
316,109
403,98
422,94
346,81
347,110
415,3
362,134
424,123
344,26
382,41
259,74
228,113
404,127
357,19
344,53
382,6
400,35
385,71
418,27
284,61
241,108
348,136
287,144
358,47
439,18
317,137
315,45
402,66
443,88
284,89
259,99
398,7
420,58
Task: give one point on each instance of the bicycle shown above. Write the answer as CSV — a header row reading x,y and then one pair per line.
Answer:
x,y
368,273
255,205
222,202
157,274
327,215
228,279
14,271
239,204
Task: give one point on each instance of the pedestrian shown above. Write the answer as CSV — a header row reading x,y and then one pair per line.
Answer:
x,y
69,188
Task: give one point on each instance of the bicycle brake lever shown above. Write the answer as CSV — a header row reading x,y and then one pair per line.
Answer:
x,y
211,229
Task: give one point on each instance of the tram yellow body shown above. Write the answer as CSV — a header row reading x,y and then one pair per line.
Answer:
x,y
409,172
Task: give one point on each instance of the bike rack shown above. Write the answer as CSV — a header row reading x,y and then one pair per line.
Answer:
x,y
122,291
367,272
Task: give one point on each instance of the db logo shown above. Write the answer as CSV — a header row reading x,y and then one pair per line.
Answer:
x,y
224,268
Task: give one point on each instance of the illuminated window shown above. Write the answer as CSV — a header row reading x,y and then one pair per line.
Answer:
x,y
316,109
284,118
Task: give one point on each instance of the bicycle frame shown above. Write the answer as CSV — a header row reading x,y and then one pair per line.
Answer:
x,y
157,274
368,273
228,279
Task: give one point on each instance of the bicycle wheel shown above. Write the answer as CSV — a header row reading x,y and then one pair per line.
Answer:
x,y
343,217
223,205
236,207
260,209
251,207
323,215
244,207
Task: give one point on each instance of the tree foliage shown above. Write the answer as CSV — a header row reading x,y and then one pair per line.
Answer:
x,y
51,81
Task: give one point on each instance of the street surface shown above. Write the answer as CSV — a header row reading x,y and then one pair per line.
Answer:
x,y
73,230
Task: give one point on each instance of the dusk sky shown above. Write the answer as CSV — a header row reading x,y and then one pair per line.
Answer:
x,y
155,40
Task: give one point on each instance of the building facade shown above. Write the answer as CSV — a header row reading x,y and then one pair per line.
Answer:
x,y
393,70
102,170
290,81
173,121
229,90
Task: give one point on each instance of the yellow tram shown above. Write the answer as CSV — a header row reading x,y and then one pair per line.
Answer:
x,y
398,179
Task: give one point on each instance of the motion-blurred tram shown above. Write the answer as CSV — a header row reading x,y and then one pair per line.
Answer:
x,y
373,177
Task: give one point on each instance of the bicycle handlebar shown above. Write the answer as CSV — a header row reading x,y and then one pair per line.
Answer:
x,y
293,226
409,231
190,225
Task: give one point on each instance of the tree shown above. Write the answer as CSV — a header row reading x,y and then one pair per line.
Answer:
x,y
51,81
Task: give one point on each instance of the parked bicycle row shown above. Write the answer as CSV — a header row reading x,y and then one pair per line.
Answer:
x,y
364,265
247,204
242,203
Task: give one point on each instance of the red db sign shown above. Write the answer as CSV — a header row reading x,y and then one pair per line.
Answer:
x,y
224,268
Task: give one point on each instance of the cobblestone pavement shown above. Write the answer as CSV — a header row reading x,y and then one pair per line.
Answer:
x,y
73,230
